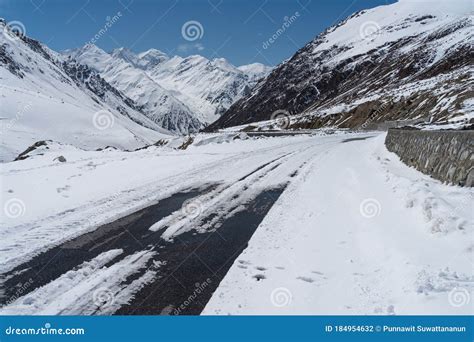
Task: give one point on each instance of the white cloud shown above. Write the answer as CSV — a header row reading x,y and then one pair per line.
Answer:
x,y
190,47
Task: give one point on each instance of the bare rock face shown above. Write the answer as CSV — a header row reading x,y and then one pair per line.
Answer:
x,y
398,62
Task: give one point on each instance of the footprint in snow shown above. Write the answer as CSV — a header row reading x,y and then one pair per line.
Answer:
x,y
260,268
306,279
259,277
73,176
317,272
64,188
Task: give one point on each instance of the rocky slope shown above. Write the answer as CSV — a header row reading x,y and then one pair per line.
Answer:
x,y
209,87
409,61
121,70
43,96
255,72
180,94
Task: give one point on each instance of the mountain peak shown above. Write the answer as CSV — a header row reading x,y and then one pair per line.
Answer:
x,y
71,94
255,71
195,59
152,53
123,52
88,51
223,64
151,58
94,48
365,60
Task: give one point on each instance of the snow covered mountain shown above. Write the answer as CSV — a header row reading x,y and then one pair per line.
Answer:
x,y
186,93
408,61
43,96
208,86
123,69
255,72
150,58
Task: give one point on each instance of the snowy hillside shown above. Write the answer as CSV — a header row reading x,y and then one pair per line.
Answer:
x,y
208,86
150,58
255,71
186,93
119,69
405,61
43,97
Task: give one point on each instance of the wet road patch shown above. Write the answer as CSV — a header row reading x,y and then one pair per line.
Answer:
x,y
189,267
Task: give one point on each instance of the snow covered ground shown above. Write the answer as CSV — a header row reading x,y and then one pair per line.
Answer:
x,y
368,236
354,232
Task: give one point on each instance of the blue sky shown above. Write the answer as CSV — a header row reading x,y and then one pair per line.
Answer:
x,y
238,30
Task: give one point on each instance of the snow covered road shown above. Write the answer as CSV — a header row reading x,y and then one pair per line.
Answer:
x,y
341,227
368,236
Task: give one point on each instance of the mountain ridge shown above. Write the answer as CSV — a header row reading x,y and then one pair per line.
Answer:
x,y
403,54
44,96
192,89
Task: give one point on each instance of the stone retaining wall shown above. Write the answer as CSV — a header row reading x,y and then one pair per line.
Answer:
x,y
444,155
